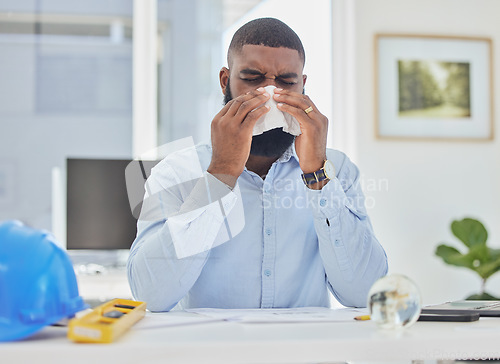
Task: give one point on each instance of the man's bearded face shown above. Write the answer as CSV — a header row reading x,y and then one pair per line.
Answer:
x,y
271,143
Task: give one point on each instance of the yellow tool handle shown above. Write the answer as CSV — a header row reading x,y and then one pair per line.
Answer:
x,y
106,322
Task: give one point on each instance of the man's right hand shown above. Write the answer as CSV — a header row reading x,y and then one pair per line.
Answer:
x,y
232,134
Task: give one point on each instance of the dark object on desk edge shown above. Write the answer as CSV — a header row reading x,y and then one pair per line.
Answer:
x,y
463,317
483,308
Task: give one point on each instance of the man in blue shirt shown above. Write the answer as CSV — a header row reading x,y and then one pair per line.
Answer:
x,y
256,221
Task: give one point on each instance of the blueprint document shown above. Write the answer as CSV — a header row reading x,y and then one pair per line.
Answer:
x,y
282,315
154,320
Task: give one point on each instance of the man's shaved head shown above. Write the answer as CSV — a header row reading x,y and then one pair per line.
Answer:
x,y
269,32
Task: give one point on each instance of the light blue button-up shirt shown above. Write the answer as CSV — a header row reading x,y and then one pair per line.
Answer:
x,y
269,243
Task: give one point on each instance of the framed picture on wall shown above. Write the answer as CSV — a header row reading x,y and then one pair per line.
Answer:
x,y
433,87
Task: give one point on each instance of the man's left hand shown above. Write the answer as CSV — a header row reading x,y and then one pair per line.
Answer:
x,y
311,144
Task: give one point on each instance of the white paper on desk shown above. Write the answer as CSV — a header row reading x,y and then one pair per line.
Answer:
x,y
156,320
282,315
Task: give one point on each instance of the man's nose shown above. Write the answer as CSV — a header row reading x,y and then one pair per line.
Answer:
x,y
271,81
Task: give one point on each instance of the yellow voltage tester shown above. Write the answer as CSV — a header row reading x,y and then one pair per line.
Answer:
x,y
106,322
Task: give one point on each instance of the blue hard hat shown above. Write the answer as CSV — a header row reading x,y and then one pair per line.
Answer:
x,y
37,282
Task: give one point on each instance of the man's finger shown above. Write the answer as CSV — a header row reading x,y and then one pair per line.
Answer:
x,y
298,114
253,116
238,101
249,105
224,110
299,101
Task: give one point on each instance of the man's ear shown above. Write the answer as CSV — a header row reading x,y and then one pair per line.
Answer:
x,y
224,79
304,79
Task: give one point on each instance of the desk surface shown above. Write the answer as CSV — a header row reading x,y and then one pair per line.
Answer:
x,y
230,342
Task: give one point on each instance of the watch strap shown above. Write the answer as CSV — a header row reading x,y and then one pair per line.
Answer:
x,y
314,177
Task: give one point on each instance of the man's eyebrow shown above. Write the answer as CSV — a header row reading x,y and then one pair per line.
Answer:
x,y
288,75
249,71
254,72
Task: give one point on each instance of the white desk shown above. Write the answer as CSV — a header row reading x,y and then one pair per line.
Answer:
x,y
229,342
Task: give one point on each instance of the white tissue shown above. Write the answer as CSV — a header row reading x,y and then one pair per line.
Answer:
x,y
276,118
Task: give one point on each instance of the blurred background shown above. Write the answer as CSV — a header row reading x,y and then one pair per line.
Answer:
x,y
111,79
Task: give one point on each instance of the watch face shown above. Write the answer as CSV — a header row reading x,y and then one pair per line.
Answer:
x,y
329,170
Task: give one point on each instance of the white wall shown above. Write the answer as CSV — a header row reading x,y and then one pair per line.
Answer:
x,y
189,90
429,183
36,136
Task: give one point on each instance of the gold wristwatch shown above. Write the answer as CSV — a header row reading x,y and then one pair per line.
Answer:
x,y
324,173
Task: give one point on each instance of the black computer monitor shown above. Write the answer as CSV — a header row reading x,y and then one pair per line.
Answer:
x,y
98,210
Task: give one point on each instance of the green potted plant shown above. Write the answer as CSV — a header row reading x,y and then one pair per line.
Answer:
x,y
480,258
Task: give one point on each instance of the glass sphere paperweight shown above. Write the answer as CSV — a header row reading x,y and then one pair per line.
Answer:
x,y
394,302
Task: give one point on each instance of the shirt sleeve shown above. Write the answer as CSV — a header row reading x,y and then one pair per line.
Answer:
x,y
351,254
178,225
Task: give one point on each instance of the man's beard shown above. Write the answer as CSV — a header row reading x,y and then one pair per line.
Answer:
x,y
272,143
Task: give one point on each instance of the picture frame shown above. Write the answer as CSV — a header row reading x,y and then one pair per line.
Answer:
x,y
433,87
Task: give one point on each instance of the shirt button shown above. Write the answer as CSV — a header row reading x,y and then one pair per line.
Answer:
x,y
268,231
266,189
337,242
267,272
322,202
